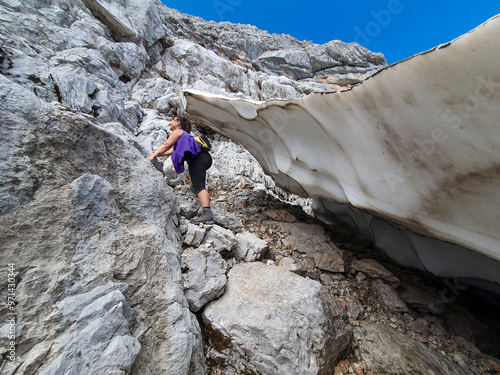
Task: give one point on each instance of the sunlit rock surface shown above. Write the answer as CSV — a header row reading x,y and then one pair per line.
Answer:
x,y
411,157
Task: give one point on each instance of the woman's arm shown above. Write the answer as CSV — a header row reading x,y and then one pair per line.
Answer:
x,y
166,148
168,152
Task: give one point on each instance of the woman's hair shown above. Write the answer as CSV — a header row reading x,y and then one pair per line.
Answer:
x,y
185,123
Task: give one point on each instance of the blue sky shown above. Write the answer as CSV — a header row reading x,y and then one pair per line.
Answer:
x,y
397,28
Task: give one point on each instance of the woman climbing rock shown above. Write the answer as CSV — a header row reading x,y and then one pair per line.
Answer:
x,y
181,146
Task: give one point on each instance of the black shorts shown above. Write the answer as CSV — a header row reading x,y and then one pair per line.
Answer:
x,y
198,170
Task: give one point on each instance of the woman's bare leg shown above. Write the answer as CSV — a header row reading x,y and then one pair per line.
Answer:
x,y
204,198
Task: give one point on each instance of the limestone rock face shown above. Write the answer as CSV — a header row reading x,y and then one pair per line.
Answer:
x,y
410,156
108,58
89,211
130,20
334,62
99,336
75,62
271,321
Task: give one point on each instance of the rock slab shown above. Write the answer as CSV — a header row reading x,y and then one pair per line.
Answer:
x,y
271,321
388,351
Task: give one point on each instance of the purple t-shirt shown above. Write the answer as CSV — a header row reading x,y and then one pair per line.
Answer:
x,y
184,149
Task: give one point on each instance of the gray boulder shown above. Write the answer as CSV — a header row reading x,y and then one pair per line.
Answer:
x,y
194,235
271,321
249,247
223,240
205,276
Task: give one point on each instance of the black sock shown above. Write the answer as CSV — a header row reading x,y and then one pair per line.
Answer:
x,y
206,210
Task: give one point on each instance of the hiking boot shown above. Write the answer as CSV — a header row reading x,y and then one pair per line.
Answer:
x,y
203,218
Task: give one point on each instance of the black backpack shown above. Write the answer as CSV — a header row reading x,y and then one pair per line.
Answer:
x,y
203,142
